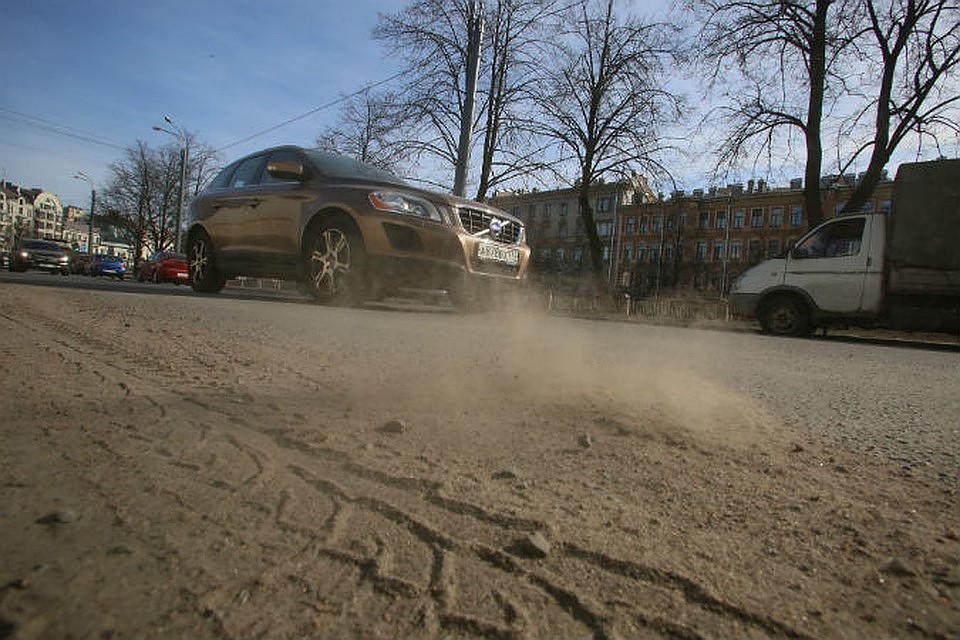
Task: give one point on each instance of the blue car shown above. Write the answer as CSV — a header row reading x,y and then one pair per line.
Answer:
x,y
105,265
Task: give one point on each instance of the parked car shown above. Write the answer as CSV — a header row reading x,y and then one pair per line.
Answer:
x,y
348,232
107,265
46,255
164,266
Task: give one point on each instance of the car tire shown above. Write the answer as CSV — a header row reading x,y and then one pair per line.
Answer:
x,y
204,275
785,316
334,262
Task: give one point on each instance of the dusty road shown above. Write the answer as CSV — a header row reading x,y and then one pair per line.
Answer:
x,y
214,468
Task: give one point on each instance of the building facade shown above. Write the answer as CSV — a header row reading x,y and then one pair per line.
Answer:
x,y
555,228
703,241
30,213
693,242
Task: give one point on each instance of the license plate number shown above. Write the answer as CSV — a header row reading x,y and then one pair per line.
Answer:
x,y
489,252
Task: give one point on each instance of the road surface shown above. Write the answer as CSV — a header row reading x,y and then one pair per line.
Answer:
x,y
185,466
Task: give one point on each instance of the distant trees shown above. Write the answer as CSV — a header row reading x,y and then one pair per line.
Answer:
x,y
433,39
601,104
860,74
143,188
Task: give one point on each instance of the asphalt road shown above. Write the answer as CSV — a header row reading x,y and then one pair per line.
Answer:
x,y
899,400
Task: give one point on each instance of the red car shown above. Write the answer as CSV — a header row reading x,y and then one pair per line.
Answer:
x,y
164,266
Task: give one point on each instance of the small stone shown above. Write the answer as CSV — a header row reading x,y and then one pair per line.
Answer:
x,y
61,516
506,474
897,567
394,426
584,440
535,545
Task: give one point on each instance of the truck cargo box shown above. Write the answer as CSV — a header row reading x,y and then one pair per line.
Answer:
x,y
923,231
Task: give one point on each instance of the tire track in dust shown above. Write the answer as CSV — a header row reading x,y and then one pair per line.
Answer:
x,y
438,598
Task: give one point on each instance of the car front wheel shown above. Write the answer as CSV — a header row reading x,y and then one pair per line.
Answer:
x,y
334,263
204,276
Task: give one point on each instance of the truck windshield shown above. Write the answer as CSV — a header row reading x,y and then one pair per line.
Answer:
x,y
832,240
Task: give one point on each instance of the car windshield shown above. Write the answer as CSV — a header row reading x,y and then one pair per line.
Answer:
x,y
41,245
344,168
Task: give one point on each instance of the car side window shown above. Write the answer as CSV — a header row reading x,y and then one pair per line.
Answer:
x,y
248,173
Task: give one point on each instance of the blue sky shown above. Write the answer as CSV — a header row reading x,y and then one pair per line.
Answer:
x,y
84,80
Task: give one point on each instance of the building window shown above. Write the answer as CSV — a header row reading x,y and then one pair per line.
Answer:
x,y
738,217
736,251
532,212
641,252
563,209
654,254
627,252
721,220
718,250
605,229
561,255
701,254
886,206
703,220
631,226
547,210
756,250
657,223
776,216
562,229
683,220
668,252
756,218
796,215
773,248
643,224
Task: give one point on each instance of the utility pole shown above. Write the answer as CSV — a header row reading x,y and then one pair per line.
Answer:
x,y
80,175
466,118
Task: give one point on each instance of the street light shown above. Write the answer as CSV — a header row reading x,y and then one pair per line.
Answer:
x,y
181,136
80,175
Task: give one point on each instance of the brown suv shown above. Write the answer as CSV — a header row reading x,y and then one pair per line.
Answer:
x,y
348,231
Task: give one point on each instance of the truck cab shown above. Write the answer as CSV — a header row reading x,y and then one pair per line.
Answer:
x,y
834,271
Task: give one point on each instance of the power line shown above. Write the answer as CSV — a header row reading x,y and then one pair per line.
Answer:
x,y
332,103
53,127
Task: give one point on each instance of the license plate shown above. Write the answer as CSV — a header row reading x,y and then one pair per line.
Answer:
x,y
489,252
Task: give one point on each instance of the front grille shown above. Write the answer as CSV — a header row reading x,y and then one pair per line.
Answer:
x,y
483,224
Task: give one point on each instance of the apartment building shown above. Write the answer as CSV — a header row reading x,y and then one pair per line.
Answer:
x,y
704,240
28,212
699,241
556,231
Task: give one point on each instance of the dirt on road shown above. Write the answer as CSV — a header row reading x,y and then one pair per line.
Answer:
x,y
172,476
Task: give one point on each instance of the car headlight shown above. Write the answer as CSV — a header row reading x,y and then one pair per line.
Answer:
x,y
24,254
404,205
64,259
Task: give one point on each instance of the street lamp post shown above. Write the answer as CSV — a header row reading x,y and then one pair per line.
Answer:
x,y
80,175
181,136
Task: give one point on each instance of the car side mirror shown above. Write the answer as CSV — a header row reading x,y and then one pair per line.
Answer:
x,y
285,170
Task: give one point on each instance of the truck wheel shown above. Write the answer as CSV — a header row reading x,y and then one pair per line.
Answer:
x,y
785,316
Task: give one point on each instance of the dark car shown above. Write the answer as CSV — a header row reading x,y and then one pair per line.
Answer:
x,y
107,265
39,254
164,266
347,231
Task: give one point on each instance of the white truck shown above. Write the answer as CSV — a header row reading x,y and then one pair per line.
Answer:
x,y
899,269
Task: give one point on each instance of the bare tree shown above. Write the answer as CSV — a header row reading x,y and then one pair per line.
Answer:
x,y
432,37
371,129
869,71
142,193
913,47
602,104
784,50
